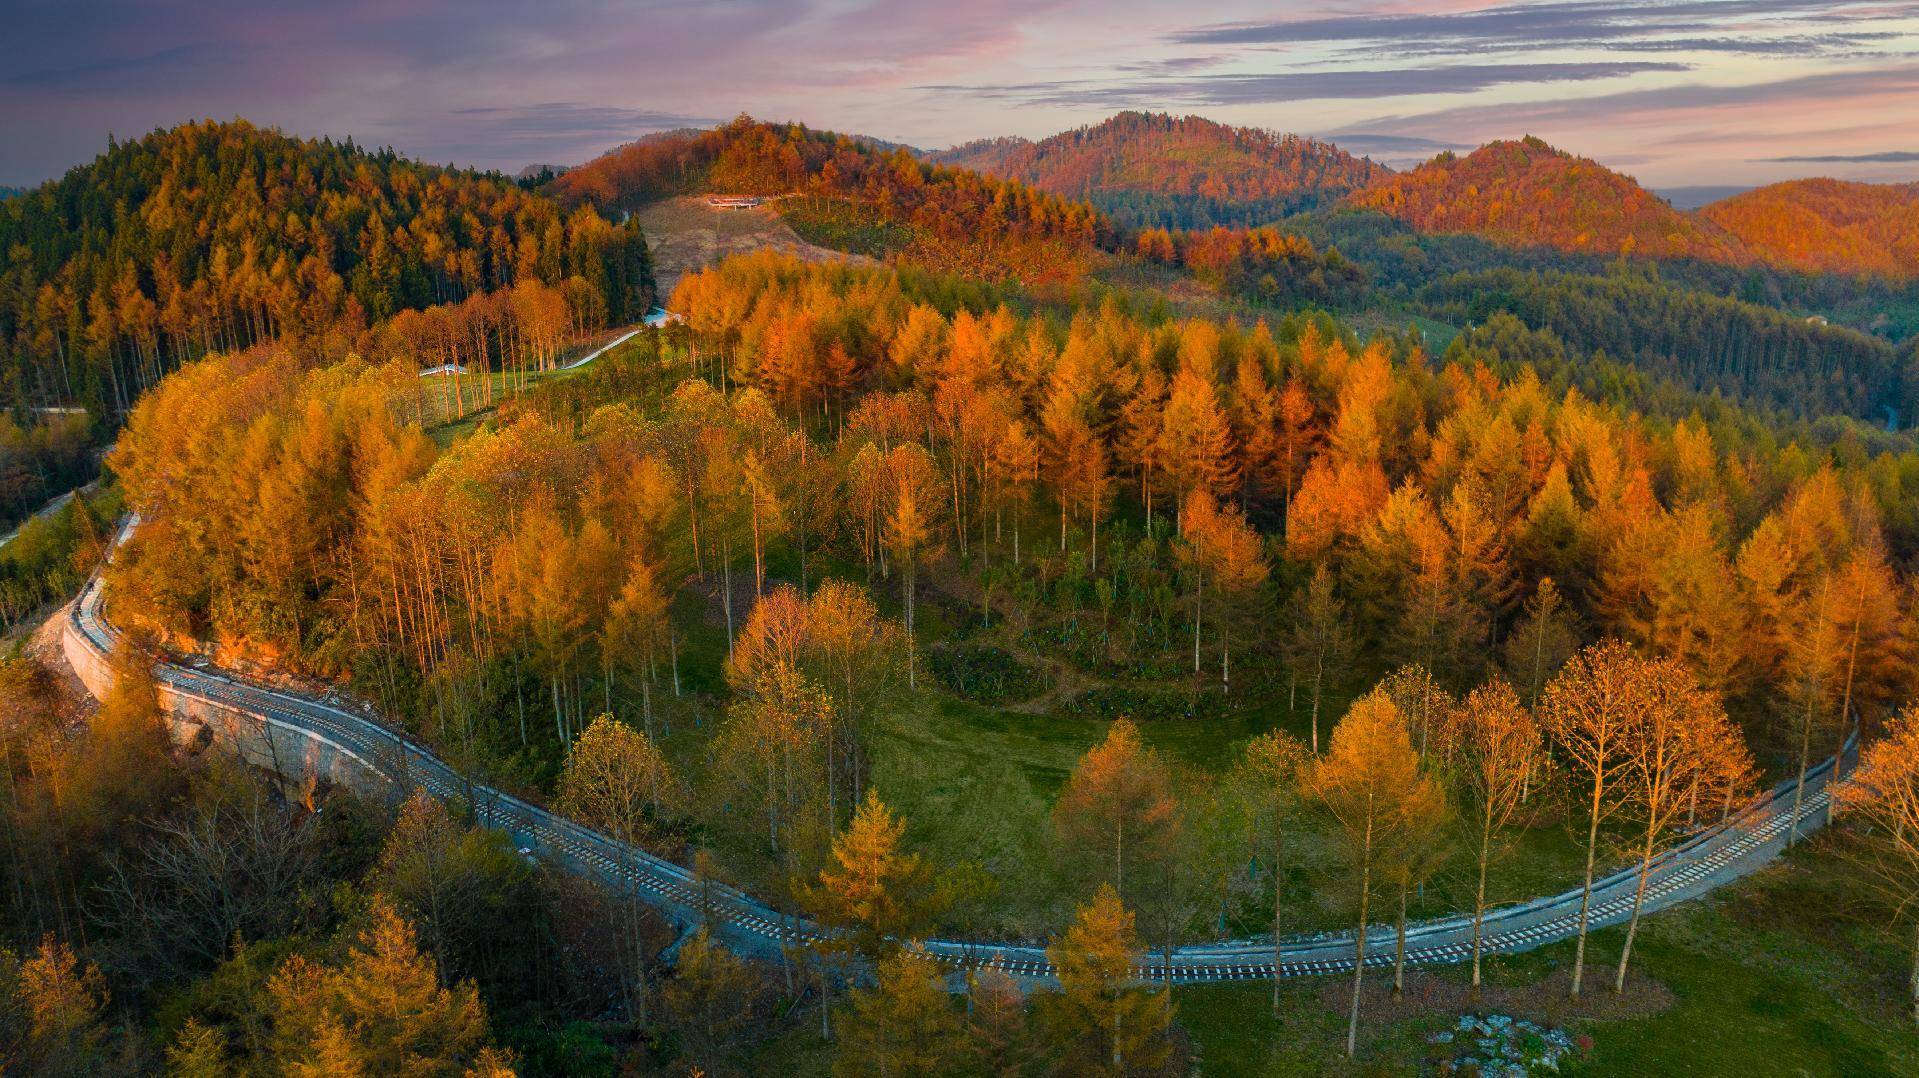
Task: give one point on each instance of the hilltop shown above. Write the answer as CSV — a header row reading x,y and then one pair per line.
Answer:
x,y
1525,193
1827,226
854,194
1159,169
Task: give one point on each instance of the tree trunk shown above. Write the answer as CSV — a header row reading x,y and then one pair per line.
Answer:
x,y
1799,787
1638,899
1319,679
908,573
1479,901
1586,893
1199,607
1279,883
1915,974
1399,942
726,596
1845,706
1359,952
826,1002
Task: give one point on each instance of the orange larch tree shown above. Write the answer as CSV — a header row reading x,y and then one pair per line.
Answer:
x,y
1101,1021
1269,775
1680,746
1119,799
1591,711
1224,555
1371,781
1321,638
1884,791
873,897
1497,754
1196,440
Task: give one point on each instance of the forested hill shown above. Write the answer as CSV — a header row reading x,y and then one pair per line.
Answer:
x,y
949,218
1784,364
1527,194
1827,226
1154,169
216,236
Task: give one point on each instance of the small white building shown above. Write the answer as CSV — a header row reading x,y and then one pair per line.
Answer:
x,y
444,368
733,202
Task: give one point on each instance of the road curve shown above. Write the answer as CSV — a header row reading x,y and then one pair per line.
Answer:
x,y
1746,841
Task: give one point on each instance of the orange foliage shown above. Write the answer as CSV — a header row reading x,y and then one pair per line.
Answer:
x,y
1827,226
1525,193
960,220
1163,154
1119,799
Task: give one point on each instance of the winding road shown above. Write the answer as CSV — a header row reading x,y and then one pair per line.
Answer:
x,y
1750,838
603,349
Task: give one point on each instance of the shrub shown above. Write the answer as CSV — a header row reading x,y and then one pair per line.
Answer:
x,y
984,673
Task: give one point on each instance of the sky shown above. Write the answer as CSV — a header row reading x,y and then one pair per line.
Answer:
x,y
1674,93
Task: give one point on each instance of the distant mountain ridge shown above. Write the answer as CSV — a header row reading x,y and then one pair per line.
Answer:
x,y
1525,193
1155,168
1827,226
1693,197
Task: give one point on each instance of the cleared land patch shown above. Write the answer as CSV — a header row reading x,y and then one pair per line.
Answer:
x,y
685,234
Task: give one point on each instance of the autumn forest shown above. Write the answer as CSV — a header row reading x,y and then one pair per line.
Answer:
x,y
1166,598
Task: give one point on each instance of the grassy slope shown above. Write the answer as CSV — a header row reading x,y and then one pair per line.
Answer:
x,y
1770,977
845,225
1779,974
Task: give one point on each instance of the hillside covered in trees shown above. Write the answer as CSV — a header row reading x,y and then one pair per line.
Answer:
x,y
1827,226
218,236
1704,342
948,218
1155,169
1525,193
723,592
1528,194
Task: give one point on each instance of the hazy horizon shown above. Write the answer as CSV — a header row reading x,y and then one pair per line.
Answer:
x,y
1699,92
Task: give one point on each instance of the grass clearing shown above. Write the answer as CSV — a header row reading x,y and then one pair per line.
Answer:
x,y
685,234
844,225
1781,973
1438,335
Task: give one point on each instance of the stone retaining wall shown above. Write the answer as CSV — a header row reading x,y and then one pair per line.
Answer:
x,y
302,758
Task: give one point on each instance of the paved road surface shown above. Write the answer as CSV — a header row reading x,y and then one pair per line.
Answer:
x,y
603,349
46,510
1752,837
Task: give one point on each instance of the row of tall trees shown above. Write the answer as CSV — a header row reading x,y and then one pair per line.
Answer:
x,y
1439,501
